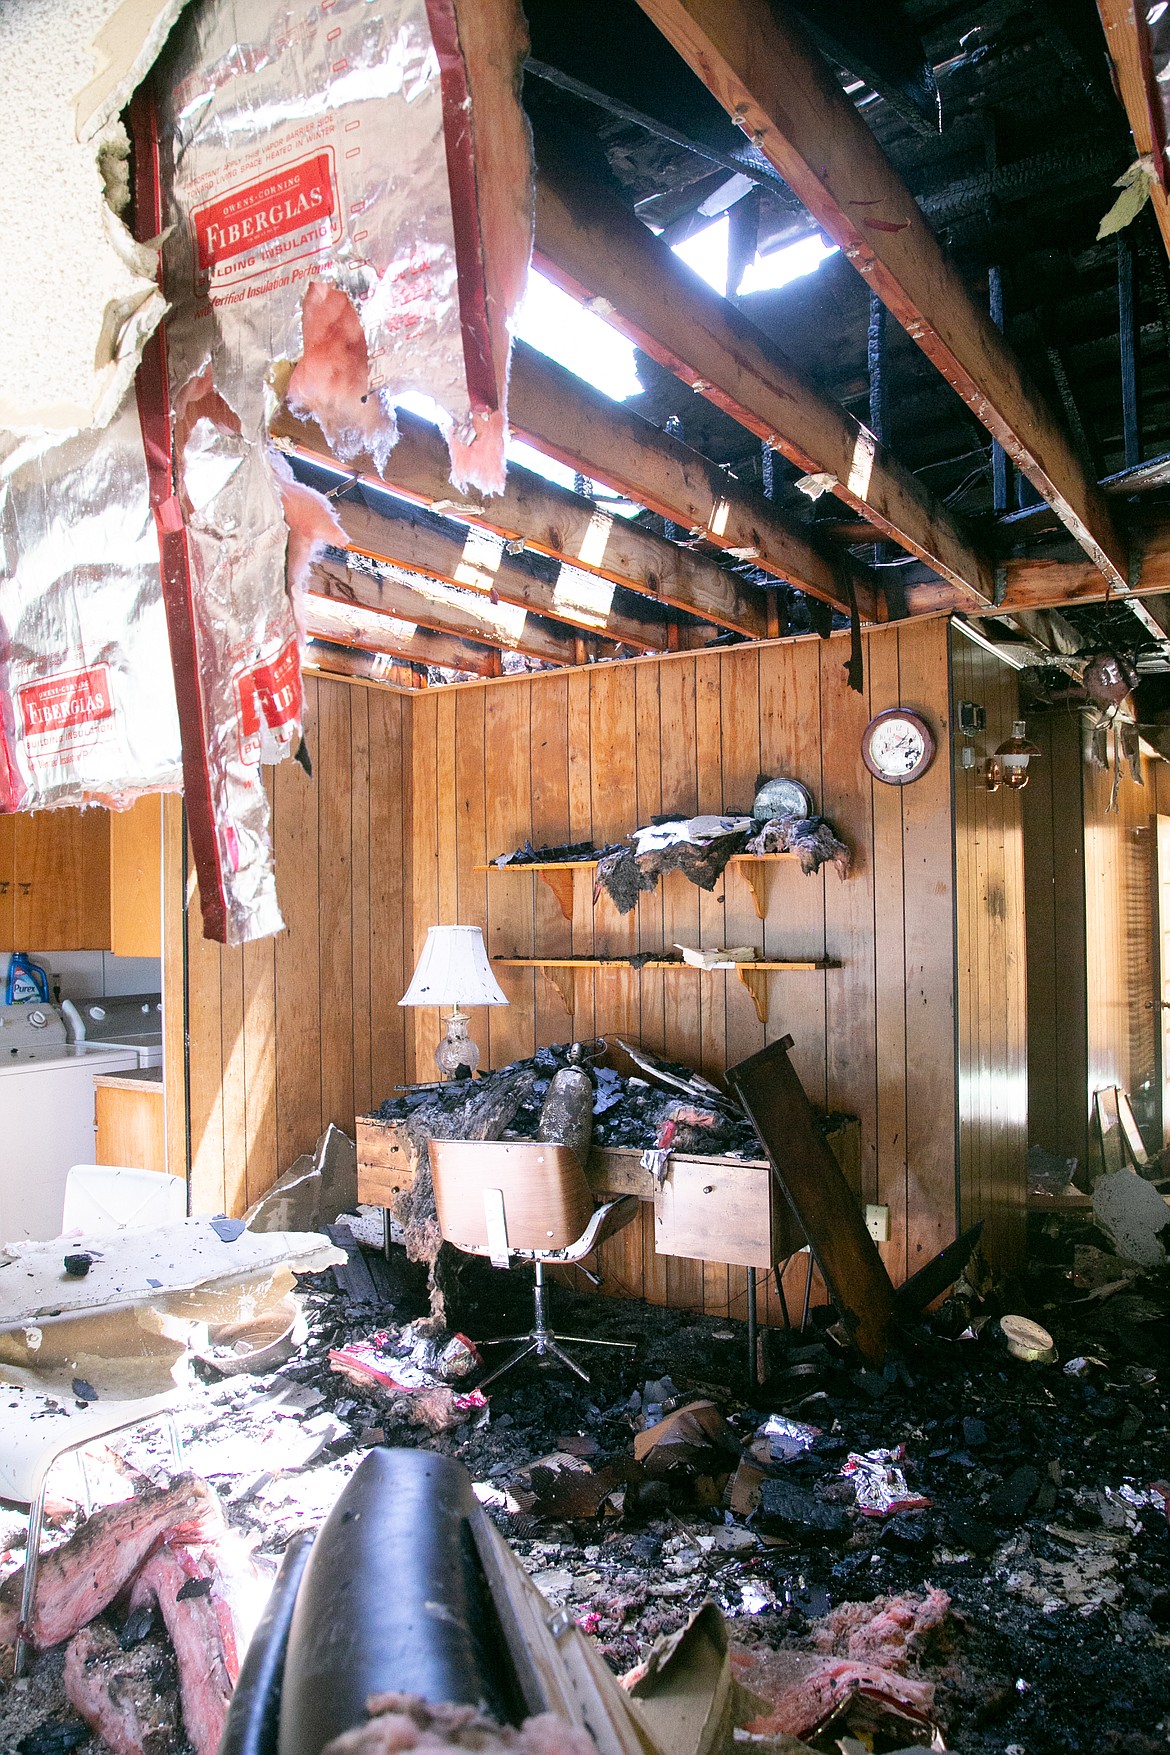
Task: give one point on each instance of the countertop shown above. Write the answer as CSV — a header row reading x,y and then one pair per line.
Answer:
x,y
133,1079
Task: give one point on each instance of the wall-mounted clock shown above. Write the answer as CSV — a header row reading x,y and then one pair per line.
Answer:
x,y
897,746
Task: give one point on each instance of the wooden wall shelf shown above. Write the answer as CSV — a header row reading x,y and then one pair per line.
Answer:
x,y
560,876
562,973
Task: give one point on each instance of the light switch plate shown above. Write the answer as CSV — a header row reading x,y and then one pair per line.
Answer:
x,y
877,1223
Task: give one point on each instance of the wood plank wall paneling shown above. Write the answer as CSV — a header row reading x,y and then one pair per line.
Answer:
x,y
291,1033
1119,911
1092,970
1054,874
991,967
590,755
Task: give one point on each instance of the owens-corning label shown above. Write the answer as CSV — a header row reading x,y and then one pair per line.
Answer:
x,y
288,213
68,708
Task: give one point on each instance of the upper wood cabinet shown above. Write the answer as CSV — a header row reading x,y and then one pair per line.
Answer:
x,y
82,880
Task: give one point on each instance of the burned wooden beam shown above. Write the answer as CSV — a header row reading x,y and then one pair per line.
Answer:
x,y
1037,582
596,249
326,658
446,609
478,561
1128,38
367,631
553,521
565,419
755,57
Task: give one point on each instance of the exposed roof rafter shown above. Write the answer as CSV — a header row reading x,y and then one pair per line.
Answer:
x,y
598,251
757,60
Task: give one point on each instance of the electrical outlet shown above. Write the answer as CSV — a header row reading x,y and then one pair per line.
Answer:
x,y
877,1223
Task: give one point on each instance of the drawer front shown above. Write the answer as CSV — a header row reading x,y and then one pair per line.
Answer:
x,y
385,1161
716,1211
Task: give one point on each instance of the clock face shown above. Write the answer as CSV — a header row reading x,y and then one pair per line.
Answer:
x,y
897,746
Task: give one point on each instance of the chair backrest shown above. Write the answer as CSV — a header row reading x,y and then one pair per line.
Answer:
x,y
547,1201
104,1197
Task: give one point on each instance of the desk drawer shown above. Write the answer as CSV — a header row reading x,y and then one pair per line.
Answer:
x,y
716,1210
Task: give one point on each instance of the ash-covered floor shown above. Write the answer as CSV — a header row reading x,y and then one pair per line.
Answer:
x,y
1046,1524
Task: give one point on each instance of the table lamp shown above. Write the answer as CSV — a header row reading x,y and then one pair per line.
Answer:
x,y
454,970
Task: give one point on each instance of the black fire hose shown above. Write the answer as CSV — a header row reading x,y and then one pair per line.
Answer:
x,y
254,1715
391,1598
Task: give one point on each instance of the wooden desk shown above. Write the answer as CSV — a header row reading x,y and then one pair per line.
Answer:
x,y
707,1209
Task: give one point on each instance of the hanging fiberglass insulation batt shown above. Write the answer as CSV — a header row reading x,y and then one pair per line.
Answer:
x,y
349,191
87,709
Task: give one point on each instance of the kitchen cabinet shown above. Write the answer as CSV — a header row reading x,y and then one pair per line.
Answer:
x,y
130,1121
82,880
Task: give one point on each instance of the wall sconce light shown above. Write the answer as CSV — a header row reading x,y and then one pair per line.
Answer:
x,y
1014,754
992,774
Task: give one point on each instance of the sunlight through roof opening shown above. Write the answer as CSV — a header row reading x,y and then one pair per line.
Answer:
x,y
706,253
780,266
564,331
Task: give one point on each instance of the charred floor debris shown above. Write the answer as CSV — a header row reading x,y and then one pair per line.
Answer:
x,y
964,1549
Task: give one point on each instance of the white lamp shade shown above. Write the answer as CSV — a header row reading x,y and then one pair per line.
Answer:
x,y
454,970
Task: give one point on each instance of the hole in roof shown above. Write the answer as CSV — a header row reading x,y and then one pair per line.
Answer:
x,y
577,338
778,267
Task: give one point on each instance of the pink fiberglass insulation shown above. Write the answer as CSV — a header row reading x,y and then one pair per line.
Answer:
x,y
82,1577
204,1594
288,238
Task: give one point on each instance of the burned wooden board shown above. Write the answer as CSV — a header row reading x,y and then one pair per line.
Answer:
x,y
812,1183
385,1160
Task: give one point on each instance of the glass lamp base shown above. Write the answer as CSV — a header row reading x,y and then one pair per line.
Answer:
x,y
457,1054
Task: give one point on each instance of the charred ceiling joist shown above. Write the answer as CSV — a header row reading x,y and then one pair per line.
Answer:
x,y
757,60
553,521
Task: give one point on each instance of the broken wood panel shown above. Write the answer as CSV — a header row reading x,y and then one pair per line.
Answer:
x,y
758,63
335,883
592,245
928,902
566,419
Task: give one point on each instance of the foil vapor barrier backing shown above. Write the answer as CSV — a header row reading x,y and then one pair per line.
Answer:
x,y
86,694
318,172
